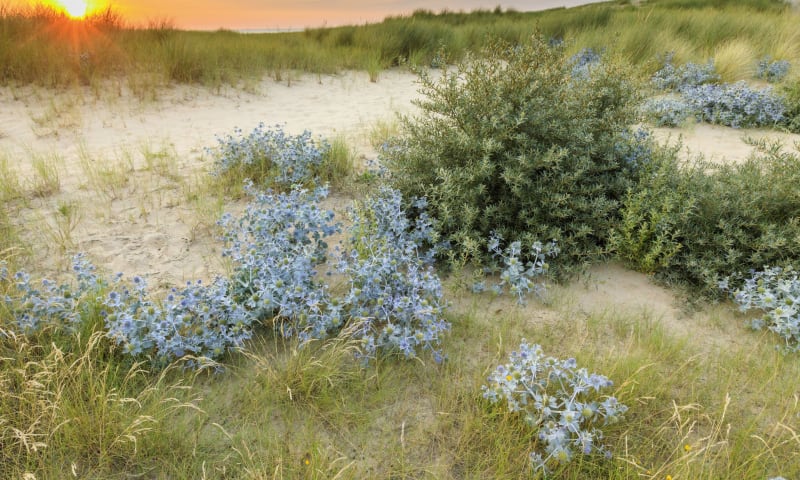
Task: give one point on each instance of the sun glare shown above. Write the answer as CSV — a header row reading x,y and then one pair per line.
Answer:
x,y
74,8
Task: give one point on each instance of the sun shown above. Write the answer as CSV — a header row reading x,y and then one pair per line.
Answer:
x,y
74,8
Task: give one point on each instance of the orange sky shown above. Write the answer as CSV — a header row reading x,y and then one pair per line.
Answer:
x,y
277,14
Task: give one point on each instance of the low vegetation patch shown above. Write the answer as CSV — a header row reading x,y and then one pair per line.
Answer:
x,y
68,405
775,292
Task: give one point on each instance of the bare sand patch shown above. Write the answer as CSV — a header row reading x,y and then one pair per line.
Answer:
x,y
720,144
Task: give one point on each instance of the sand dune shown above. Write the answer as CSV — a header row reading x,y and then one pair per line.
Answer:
x,y
145,215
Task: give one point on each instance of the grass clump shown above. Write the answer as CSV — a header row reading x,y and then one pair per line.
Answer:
x,y
77,408
7,234
46,179
338,162
514,142
10,186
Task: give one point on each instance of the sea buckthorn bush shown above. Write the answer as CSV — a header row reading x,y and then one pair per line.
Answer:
x,y
776,292
790,91
648,233
561,401
697,223
511,142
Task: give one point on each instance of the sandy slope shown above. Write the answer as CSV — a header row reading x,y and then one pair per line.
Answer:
x,y
149,223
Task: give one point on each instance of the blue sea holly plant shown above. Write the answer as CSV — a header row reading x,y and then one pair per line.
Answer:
x,y
772,70
561,401
735,105
675,78
269,156
49,303
519,277
392,298
775,292
670,111
583,61
198,320
394,294
699,95
276,247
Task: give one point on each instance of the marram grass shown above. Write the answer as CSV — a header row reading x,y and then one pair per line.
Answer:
x,y
149,56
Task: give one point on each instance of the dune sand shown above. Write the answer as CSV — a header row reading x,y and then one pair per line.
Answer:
x,y
146,226
152,155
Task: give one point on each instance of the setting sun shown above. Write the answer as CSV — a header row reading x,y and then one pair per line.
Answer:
x,y
74,8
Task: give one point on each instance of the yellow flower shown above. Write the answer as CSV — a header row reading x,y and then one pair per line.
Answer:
x,y
509,377
669,477
687,447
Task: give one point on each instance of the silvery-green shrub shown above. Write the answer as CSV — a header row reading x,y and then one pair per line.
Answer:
x,y
511,142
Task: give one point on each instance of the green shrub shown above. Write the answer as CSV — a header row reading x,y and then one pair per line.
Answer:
x,y
699,223
511,142
791,100
648,234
